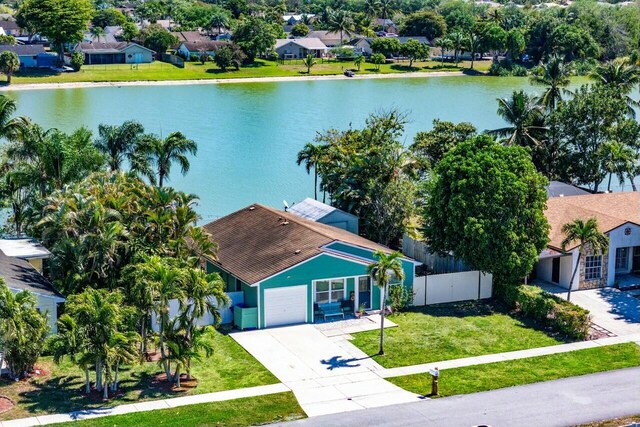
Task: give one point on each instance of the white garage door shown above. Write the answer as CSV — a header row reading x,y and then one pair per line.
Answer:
x,y
285,306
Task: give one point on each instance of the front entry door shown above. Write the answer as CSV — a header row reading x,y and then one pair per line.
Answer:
x,y
555,270
635,267
364,292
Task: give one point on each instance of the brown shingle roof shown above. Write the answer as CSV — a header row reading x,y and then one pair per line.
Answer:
x,y
610,209
257,241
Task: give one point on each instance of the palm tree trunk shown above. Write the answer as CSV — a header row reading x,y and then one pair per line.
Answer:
x,y
473,56
633,184
382,314
143,335
87,382
177,375
609,183
114,384
105,390
98,374
9,78
575,270
315,184
166,363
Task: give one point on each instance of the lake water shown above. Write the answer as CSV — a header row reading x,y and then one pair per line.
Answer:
x,y
249,134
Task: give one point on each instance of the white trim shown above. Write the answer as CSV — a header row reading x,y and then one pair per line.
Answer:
x,y
404,257
258,304
344,287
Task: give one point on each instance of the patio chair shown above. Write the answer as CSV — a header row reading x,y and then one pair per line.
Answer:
x,y
317,312
347,306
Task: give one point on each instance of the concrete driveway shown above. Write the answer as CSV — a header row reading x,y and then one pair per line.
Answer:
x,y
327,374
615,310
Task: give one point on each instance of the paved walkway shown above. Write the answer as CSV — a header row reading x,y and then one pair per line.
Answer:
x,y
558,403
327,374
147,406
612,309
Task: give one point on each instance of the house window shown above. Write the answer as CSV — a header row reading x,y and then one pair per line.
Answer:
x,y
622,258
593,267
329,291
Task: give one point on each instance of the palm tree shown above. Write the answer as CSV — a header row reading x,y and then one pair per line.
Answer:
x,y
97,32
371,8
523,114
341,21
119,143
386,8
444,43
311,156
10,126
219,18
309,61
472,44
458,41
585,234
163,152
382,271
70,342
622,75
358,61
618,159
555,74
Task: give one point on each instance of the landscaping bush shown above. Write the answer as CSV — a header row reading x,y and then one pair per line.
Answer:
x,y
77,61
518,71
559,314
399,297
497,69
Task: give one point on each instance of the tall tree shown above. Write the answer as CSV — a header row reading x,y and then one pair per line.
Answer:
x,y
485,204
162,153
310,155
622,76
9,64
387,268
120,143
523,115
586,235
555,75
61,21
341,21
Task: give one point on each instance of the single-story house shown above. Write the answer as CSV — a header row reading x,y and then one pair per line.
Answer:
x,y
562,189
20,275
362,45
187,49
314,210
618,216
114,53
330,38
105,38
387,25
190,36
287,266
31,55
300,48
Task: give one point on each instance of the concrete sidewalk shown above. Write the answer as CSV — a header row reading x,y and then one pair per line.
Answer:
x,y
147,406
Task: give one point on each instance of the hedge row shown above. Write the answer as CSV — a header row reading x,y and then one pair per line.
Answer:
x,y
561,315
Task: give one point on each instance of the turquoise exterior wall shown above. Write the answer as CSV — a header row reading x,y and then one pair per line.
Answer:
x,y
250,295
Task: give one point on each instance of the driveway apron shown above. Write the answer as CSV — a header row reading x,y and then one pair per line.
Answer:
x,y
327,374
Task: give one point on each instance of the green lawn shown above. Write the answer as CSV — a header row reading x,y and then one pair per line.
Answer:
x,y
230,367
453,331
492,376
196,71
233,413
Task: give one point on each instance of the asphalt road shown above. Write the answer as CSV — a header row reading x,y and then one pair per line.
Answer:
x,y
565,402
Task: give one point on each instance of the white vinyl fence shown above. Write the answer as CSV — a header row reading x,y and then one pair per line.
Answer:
x,y
451,287
225,312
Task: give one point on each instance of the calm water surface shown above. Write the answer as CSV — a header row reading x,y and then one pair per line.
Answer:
x,y
248,134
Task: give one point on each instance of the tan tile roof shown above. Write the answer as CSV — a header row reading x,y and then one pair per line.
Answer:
x,y
257,241
610,209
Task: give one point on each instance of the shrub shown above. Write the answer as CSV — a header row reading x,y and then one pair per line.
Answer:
x,y
77,61
584,67
497,69
518,71
399,297
559,314
194,57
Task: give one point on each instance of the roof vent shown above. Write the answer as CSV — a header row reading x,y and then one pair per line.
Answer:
x,y
252,208
297,251
285,223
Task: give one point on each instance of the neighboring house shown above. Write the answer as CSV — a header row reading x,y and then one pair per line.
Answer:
x,y
618,216
20,275
105,38
31,56
114,53
386,25
187,49
26,249
314,210
10,28
284,264
561,189
362,45
300,48
190,36
330,38
293,19
114,30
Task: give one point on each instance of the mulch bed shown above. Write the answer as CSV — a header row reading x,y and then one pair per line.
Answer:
x,y
6,404
160,382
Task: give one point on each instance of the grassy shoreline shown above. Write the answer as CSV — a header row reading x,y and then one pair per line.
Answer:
x,y
262,69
